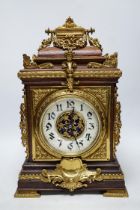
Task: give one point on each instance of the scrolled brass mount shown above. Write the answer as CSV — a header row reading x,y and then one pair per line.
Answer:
x,y
71,174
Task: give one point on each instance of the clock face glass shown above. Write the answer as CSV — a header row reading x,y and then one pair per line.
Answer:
x,y
70,125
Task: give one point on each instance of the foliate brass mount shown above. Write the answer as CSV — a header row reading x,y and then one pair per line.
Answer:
x,y
24,127
111,61
117,122
71,174
29,63
69,66
69,36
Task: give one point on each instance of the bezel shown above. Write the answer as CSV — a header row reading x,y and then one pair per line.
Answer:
x,y
46,141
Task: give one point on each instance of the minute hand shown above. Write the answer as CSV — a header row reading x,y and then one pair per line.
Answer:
x,y
76,141
72,114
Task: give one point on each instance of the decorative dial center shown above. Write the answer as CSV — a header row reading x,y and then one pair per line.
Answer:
x,y
70,124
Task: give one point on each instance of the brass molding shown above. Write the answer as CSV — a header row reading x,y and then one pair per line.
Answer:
x,y
112,176
111,61
26,194
77,74
31,64
24,126
116,193
102,176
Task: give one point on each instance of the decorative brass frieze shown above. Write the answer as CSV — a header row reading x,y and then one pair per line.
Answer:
x,y
117,122
102,93
41,154
31,64
24,127
77,74
111,61
102,176
38,95
101,153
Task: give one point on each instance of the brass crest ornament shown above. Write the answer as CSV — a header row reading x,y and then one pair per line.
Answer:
x,y
70,116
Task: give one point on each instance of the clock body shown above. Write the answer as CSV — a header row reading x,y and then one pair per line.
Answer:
x,y
70,117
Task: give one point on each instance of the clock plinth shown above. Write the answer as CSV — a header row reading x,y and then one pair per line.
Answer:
x,y
70,117
109,181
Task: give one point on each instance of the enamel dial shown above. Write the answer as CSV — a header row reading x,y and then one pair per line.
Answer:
x,y
70,126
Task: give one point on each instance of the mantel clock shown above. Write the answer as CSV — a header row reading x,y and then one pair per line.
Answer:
x,y
70,117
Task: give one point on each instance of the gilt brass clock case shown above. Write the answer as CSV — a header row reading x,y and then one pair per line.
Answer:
x,y
94,103
70,63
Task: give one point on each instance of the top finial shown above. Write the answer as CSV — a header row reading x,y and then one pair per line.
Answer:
x,y
70,36
69,23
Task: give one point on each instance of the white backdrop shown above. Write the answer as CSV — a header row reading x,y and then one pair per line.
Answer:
x,y
22,25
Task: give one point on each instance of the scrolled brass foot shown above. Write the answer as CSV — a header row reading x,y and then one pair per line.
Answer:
x,y
116,193
26,194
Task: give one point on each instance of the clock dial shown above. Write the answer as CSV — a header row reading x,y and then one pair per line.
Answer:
x,y
70,125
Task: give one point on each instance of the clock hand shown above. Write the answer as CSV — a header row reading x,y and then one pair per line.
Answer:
x,y
72,121
76,141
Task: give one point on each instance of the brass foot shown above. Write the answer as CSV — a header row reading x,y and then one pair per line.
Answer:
x,y
116,193
26,194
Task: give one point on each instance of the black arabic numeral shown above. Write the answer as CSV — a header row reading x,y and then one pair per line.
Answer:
x,y
81,107
70,104
88,136
89,115
51,136
60,142
81,143
70,146
59,107
48,126
51,116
